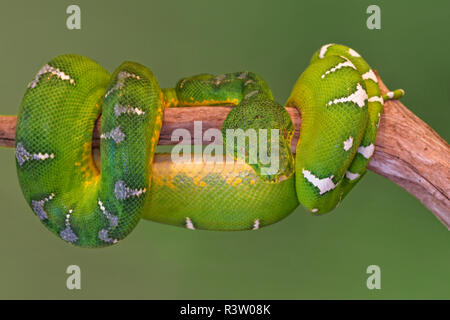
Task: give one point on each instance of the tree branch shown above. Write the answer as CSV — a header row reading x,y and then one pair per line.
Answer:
x,y
408,152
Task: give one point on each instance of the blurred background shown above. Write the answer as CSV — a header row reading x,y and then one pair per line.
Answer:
x,y
301,257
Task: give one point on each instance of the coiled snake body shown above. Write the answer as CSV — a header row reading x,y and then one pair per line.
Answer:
x,y
337,95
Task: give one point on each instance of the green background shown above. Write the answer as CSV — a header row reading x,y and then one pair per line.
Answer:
x,y
302,257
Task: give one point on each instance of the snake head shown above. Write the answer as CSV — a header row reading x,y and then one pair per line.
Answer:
x,y
259,132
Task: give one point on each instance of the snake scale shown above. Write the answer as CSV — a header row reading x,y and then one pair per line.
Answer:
x,y
337,95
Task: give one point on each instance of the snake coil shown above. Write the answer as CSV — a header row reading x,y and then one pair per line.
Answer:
x,y
337,95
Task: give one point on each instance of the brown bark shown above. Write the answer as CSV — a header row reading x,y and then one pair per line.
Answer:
x,y
408,152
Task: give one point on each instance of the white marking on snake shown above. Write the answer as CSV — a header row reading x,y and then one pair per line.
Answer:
x,y
324,185
379,118
390,94
116,134
182,82
49,69
38,207
348,143
323,50
189,224
122,191
44,156
353,53
119,109
367,151
248,95
103,234
248,82
370,75
358,97
314,210
256,225
121,77
113,220
351,176
218,79
243,75
377,99
22,155
340,65
68,234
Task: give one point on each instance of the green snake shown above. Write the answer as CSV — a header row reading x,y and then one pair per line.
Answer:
x,y
338,97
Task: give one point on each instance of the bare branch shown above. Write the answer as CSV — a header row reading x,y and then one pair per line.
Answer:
x,y
408,152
